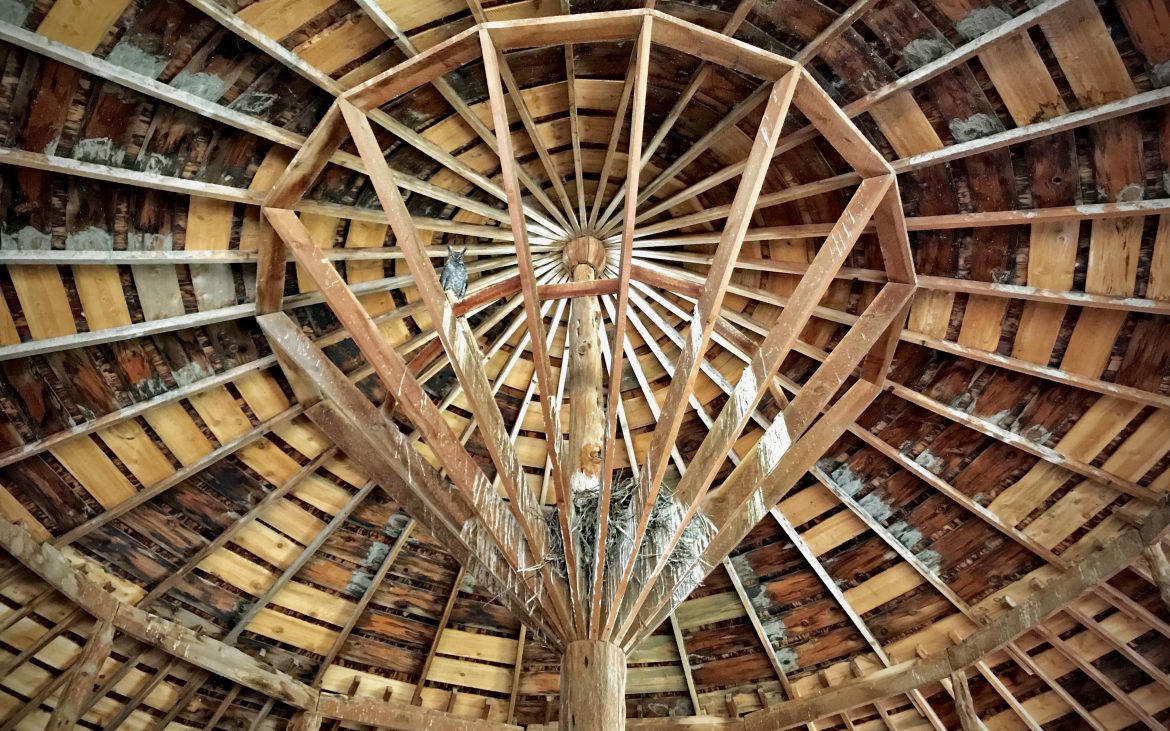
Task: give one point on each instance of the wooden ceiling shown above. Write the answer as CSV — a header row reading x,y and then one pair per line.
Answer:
x,y
212,559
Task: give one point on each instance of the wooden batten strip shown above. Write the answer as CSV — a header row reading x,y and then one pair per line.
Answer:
x,y
1095,568
367,596
212,655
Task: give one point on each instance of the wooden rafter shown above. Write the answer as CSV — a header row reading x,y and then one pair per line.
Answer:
x,y
733,516
766,361
703,322
367,596
460,518
617,348
794,537
460,344
554,435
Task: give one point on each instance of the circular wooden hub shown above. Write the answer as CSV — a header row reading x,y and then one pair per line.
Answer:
x,y
586,250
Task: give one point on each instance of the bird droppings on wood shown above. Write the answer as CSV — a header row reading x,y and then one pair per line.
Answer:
x,y
973,127
921,51
200,83
130,55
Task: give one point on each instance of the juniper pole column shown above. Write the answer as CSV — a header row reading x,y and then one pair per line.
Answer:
x,y
593,687
593,674
584,258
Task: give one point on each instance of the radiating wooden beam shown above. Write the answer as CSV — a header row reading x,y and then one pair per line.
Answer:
x,y
223,707
541,366
735,512
82,676
1018,708
939,66
615,133
460,344
617,348
1137,659
733,117
227,534
831,586
458,518
178,477
517,668
382,19
698,78
703,322
766,360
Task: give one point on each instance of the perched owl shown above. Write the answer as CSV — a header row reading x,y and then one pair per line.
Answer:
x,y
454,275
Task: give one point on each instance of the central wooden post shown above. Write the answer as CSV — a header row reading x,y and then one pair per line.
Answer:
x,y
593,674
584,258
593,687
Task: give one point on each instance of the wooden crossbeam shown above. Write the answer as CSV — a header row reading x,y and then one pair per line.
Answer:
x,y
544,380
703,322
933,579
189,102
460,518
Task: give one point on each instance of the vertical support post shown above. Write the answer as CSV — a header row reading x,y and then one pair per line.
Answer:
x,y
593,687
584,259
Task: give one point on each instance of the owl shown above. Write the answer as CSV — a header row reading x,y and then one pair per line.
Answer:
x,y
454,274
